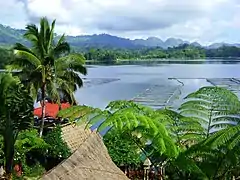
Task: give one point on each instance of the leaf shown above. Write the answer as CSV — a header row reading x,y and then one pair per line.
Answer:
x,y
216,106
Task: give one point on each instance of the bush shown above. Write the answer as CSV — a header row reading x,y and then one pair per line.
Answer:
x,y
58,149
122,149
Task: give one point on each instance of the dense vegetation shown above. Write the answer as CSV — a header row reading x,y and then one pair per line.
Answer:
x,y
22,151
199,141
5,57
45,69
48,67
180,52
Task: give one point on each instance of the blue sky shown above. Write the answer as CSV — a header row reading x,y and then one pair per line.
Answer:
x,y
205,21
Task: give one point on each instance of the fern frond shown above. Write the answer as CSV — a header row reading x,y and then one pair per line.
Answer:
x,y
128,117
214,107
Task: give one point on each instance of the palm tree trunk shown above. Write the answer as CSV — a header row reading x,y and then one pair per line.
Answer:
x,y
43,109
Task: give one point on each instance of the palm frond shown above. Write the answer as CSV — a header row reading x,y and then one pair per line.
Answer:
x,y
74,62
52,91
67,88
61,49
50,36
32,34
25,56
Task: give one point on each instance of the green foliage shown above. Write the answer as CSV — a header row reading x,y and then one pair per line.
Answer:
x,y
101,55
224,51
184,130
180,52
16,114
48,67
57,147
128,116
35,171
122,148
216,156
27,141
5,57
201,141
48,63
36,155
214,108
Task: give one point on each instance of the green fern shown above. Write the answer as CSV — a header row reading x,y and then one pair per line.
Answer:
x,y
214,107
184,130
166,133
127,116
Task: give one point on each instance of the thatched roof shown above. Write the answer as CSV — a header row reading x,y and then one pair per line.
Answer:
x,y
75,135
90,159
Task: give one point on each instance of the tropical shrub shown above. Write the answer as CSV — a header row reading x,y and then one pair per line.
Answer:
x,y
123,150
16,115
26,147
57,150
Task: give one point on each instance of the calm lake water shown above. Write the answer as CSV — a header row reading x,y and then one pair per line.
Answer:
x,y
115,82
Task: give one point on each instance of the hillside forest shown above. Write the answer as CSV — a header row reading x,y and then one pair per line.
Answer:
x,y
183,52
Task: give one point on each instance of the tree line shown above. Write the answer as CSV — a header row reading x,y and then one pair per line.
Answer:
x,y
183,52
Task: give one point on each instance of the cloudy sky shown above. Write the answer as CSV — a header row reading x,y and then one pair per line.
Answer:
x,y
195,20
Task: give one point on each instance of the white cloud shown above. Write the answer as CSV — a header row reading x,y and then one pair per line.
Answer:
x,y
52,8
12,13
205,20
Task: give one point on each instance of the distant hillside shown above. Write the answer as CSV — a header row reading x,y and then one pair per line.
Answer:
x,y
150,42
218,45
9,36
101,41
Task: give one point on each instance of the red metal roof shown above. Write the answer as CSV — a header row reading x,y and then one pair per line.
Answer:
x,y
51,110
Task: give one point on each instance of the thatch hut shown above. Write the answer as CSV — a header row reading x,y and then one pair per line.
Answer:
x,y
90,159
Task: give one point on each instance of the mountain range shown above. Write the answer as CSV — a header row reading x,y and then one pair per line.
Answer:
x,y
9,36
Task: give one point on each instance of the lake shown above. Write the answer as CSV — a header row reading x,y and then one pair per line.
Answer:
x,y
106,83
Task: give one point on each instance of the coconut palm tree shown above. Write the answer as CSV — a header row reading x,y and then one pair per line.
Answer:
x,y
16,114
48,65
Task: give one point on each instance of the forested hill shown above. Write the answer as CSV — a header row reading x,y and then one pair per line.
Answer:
x,y
109,48
9,36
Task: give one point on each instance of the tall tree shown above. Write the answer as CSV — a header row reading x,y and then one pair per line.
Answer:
x,y
48,66
16,114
